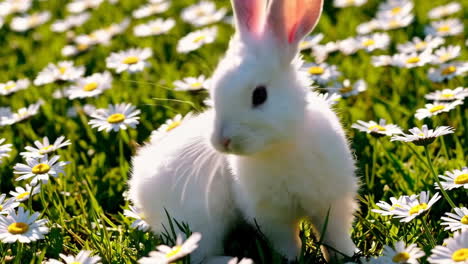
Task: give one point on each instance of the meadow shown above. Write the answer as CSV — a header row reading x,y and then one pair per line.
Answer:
x,y
79,197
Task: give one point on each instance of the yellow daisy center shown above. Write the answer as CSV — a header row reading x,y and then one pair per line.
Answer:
x,y
303,44
196,85
45,149
464,220
413,60
394,23
90,87
420,45
368,42
40,168
449,70
131,60
377,127
62,70
18,228
421,134
1,207
22,195
395,206
445,57
76,262
82,47
349,2
401,257
443,28
418,208
447,95
199,38
461,179
396,10
316,70
437,108
173,125
460,255
116,118
174,251
9,86
156,28
346,89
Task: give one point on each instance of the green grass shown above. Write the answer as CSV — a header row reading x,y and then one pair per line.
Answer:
x,y
91,191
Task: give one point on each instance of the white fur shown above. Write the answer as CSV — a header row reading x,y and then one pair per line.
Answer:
x,y
287,159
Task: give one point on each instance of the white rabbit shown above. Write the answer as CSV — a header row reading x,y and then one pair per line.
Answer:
x,y
276,157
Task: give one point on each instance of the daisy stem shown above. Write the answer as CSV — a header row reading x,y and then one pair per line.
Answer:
x,y
121,155
30,197
444,193
19,252
428,232
374,165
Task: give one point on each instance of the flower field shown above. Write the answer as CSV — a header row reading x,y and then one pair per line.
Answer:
x,y
85,83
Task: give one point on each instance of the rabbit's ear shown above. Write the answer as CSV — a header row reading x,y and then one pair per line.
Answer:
x,y
250,17
291,20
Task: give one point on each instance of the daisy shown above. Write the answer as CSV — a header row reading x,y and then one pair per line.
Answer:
x,y
192,83
165,254
458,93
423,136
348,46
412,60
131,60
321,73
346,89
70,22
394,9
445,54
420,45
168,126
115,117
154,27
22,227
22,194
117,28
14,6
242,261
389,209
377,130
90,86
40,169
436,108
402,253
455,179
374,41
156,7
310,41
6,116
391,23
457,221
24,23
330,98
78,6
412,209
444,10
448,71
84,257
347,3
203,13
453,251
44,147
382,60
139,217
11,87
196,39
4,149
7,205
23,113
62,71
367,27
443,28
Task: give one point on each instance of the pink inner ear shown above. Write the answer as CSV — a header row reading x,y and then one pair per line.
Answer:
x,y
250,15
300,17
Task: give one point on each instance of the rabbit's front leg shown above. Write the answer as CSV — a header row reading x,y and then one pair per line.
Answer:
x,y
338,227
282,232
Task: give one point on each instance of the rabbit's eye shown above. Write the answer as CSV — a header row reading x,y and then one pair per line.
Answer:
x,y
259,95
